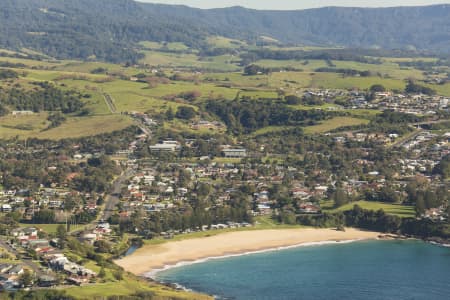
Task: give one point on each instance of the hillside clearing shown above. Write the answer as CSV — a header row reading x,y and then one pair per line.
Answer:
x,y
334,123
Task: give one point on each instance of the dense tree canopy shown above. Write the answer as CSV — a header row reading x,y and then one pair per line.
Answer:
x,y
110,30
45,97
245,116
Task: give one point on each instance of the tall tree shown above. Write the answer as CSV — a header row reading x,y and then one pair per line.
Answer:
x,y
340,198
61,234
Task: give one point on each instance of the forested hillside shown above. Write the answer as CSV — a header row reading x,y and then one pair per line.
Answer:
x,y
109,29
103,29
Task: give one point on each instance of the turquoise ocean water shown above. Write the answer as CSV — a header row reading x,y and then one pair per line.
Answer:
x,y
361,270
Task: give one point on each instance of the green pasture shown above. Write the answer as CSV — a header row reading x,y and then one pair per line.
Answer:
x,y
403,211
334,123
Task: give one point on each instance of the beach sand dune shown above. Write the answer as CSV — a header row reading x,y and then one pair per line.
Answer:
x,y
152,257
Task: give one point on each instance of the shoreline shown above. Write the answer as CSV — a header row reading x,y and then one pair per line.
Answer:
x,y
149,260
153,273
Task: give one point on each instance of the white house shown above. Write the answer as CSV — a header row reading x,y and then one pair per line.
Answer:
x,y
235,153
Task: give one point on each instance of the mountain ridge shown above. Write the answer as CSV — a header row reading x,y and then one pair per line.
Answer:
x,y
109,29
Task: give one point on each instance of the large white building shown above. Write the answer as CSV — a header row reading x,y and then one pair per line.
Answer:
x,y
166,146
236,153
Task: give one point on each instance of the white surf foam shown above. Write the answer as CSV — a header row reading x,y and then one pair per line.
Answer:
x,y
153,273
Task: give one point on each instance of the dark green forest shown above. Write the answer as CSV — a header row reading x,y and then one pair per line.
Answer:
x,y
245,116
110,29
44,97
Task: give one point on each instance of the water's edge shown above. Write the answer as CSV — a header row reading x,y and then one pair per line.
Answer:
x,y
153,274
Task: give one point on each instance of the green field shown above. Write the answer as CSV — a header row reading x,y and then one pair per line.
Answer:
x,y
160,46
52,75
292,81
88,67
188,60
223,42
441,89
388,68
325,126
10,126
363,113
34,126
270,129
224,81
311,107
337,81
30,62
394,209
237,79
87,126
334,123
135,96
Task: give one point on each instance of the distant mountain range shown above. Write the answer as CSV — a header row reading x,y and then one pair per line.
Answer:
x,y
109,29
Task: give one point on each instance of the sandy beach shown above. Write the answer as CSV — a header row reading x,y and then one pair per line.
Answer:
x,y
153,257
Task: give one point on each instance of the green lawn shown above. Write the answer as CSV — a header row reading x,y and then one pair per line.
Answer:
x,y
50,228
266,222
128,287
394,209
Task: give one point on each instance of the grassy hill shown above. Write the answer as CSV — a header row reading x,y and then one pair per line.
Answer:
x,y
164,82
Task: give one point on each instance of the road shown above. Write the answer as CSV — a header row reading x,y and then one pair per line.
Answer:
x,y
29,263
430,122
414,134
110,102
409,137
112,199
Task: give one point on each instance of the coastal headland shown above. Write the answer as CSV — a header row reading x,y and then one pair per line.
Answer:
x,y
151,258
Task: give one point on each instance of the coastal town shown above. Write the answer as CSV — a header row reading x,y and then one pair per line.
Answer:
x,y
178,186
151,151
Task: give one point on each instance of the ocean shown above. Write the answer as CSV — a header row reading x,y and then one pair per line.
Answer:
x,y
359,270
